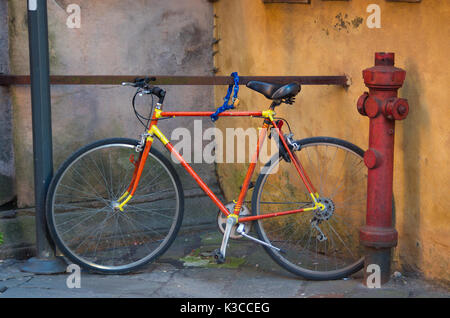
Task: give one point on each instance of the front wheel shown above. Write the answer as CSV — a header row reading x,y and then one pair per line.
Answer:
x,y
82,213
318,245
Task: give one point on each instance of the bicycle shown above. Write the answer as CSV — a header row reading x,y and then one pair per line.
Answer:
x,y
117,204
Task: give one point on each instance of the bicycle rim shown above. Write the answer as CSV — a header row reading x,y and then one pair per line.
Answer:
x,y
331,249
83,219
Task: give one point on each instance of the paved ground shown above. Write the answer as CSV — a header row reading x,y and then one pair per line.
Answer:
x,y
187,271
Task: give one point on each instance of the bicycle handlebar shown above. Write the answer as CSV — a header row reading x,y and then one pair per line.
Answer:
x,y
140,82
143,83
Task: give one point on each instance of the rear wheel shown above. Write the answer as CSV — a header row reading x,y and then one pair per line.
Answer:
x,y
318,245
82,213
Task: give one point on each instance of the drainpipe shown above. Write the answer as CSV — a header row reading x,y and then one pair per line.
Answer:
x,y
383,108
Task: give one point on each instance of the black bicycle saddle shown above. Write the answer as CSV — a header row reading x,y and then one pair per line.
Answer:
x,y
275,91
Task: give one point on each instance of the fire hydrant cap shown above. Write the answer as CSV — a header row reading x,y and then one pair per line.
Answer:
x,y
384,74
361,103
372,107
382,58
398,108
372,158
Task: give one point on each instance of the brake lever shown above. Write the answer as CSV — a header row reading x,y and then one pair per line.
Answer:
x,y
140,82
144,80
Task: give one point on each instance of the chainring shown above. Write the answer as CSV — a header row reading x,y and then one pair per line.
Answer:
x,y
222,221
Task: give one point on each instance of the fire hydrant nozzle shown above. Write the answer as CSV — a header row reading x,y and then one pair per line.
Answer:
x,y
383,107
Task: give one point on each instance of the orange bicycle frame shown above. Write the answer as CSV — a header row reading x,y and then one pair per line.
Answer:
x,y
269,121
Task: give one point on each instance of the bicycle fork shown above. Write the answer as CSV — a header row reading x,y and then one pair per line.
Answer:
x,y
139,165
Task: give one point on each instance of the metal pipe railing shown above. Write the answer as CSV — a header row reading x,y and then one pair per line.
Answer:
x,y
340,80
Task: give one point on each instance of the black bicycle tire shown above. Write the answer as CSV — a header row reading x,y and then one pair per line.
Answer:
x,y
49,211
306,273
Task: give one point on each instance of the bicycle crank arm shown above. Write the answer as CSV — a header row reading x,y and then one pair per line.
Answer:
x,y
220,254
241,231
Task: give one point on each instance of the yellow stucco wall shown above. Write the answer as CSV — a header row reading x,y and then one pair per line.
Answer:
x,y
332,38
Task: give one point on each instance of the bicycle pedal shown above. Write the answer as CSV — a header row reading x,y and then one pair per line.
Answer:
x,y
218,256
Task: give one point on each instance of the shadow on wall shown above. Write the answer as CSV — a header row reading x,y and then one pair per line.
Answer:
x,y
410,250
7,192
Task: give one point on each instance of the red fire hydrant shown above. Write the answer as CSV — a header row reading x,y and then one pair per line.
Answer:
x,y
383,107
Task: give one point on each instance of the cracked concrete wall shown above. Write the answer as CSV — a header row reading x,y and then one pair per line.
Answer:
x,y
116,37
6,150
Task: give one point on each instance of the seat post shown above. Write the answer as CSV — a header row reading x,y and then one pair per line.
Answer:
x,y
274,104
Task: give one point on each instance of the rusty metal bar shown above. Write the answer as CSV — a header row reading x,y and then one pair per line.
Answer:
x,y
342,80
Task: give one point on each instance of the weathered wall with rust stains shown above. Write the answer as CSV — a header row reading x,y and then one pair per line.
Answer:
x,y
115,38
331,38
